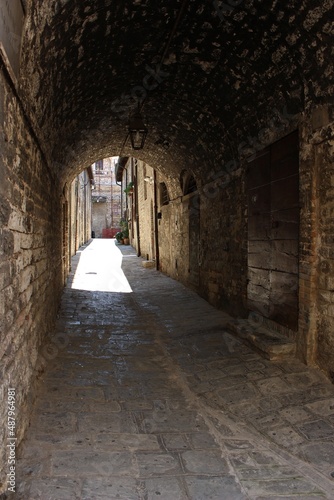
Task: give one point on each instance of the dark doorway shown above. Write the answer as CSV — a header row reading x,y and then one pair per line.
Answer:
x,y
273,232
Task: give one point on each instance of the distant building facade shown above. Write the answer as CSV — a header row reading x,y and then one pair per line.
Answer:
x,y
77,210
106,199
146,209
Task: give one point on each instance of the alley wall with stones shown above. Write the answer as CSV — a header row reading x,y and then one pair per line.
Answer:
x,y
223,270
77,216
41,228
30,255
316,319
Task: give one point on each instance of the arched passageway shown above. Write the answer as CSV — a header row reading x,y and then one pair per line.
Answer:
x,y
222,87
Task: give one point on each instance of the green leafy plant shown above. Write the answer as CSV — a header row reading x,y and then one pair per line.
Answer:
x,y
124,228
129,188
119,236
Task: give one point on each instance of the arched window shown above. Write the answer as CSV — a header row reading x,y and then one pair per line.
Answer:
x,y
188,182
190,186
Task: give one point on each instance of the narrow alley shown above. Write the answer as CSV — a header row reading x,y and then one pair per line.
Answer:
x,y
146,395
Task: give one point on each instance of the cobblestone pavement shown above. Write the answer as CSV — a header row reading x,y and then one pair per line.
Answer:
x,y
146,396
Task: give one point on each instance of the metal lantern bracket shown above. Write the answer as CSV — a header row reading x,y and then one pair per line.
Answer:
x,y
137,131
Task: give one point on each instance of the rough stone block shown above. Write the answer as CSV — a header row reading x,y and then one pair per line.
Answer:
x,y
148,264
156,464
287,487
319,429
124,441
101,489
164,488
320,117
201,487
93,463
61,488
204,462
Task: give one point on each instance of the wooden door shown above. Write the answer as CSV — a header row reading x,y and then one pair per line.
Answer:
x,y
273,232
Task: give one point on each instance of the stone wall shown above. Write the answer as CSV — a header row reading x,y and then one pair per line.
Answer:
x,y
80,216
316,269
174,239
31,273
41,227
223,268
222,214
218,246
146,211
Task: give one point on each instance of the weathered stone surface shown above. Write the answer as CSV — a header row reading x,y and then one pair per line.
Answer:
x,y
101,489
94,463
271,344
318,429
214,488
204,462
60,488
217,86
290,487
31,255
148,263
192,448
164,487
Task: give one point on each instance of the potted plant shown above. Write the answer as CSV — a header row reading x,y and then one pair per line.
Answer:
x,y
125,231
126,240
119,237
129,188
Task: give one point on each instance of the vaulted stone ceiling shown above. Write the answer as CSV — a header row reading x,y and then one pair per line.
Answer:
x,y
209,73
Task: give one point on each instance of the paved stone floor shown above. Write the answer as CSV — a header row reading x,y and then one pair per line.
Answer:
x,y
146,396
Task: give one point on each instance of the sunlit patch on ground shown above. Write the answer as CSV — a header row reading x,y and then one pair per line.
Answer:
x,y
100,268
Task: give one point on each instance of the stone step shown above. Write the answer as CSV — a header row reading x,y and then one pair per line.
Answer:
x,y
148,264
270,344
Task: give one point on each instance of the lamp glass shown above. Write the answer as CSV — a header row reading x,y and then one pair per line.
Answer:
x,y
137,131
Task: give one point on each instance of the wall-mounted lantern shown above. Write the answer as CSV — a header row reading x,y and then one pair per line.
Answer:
x,y
138,131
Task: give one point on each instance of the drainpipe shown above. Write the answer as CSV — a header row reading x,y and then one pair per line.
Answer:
x,y
136,207
156,232
76,214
